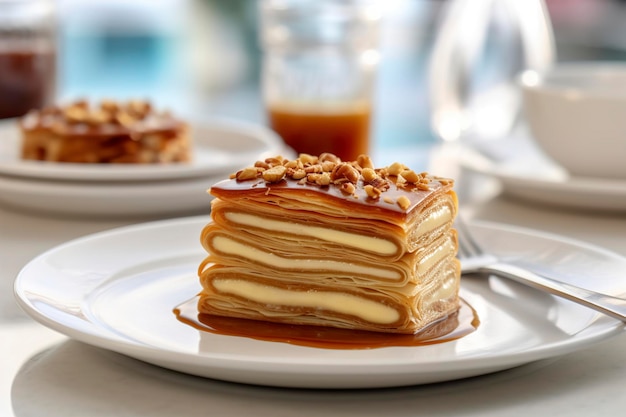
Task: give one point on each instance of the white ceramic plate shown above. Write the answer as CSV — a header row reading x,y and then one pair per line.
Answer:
x,y
219,145
527,174
114,200
117,290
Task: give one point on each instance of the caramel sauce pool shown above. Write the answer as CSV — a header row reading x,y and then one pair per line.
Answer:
x,y
455,326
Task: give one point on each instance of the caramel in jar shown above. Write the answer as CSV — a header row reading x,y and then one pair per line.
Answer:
x,y
341,130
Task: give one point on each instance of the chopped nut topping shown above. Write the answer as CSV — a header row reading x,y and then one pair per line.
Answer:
x,y
395,169
364,161
125,119
372,192
328,166
344,170
109,106
246,174
329,157
313,169
98,117
403,202
324,179
82,103
410,176
108,111
299,174
76,114
319,179
369,175
347,188
139,108
308,159
348,177
275,173
275,161
262,164
295,164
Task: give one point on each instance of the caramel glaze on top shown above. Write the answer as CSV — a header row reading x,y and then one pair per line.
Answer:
x,y
392,189
109,118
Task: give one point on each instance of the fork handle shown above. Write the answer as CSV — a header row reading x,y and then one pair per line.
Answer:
x,y
609,305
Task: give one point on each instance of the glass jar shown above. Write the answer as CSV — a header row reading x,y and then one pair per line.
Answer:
x,y
480,49
319,68
27,55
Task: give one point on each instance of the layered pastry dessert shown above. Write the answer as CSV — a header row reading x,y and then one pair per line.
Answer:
x,y
107,132
319,241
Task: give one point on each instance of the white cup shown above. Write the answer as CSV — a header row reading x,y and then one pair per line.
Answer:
x,y
576,113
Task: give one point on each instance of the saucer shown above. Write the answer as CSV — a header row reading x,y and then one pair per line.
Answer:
x,y
526,173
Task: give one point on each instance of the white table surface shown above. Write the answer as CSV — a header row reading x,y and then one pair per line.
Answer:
x,y
43,373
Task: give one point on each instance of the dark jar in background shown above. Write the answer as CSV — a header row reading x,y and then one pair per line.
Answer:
x,y
28,55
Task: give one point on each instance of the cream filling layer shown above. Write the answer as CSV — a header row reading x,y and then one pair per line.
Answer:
x,y
354,240
373,244
434,220
343,303
233,247
436,256
445,291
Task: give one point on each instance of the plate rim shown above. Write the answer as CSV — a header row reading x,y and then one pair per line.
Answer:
x,y
108,200
154,354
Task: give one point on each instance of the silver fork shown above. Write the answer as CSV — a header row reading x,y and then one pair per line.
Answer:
x,y
475,260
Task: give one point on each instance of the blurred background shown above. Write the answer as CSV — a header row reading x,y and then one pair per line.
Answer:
x,y
202,58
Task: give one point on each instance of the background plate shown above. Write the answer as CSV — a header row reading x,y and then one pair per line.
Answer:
x,y
219,145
